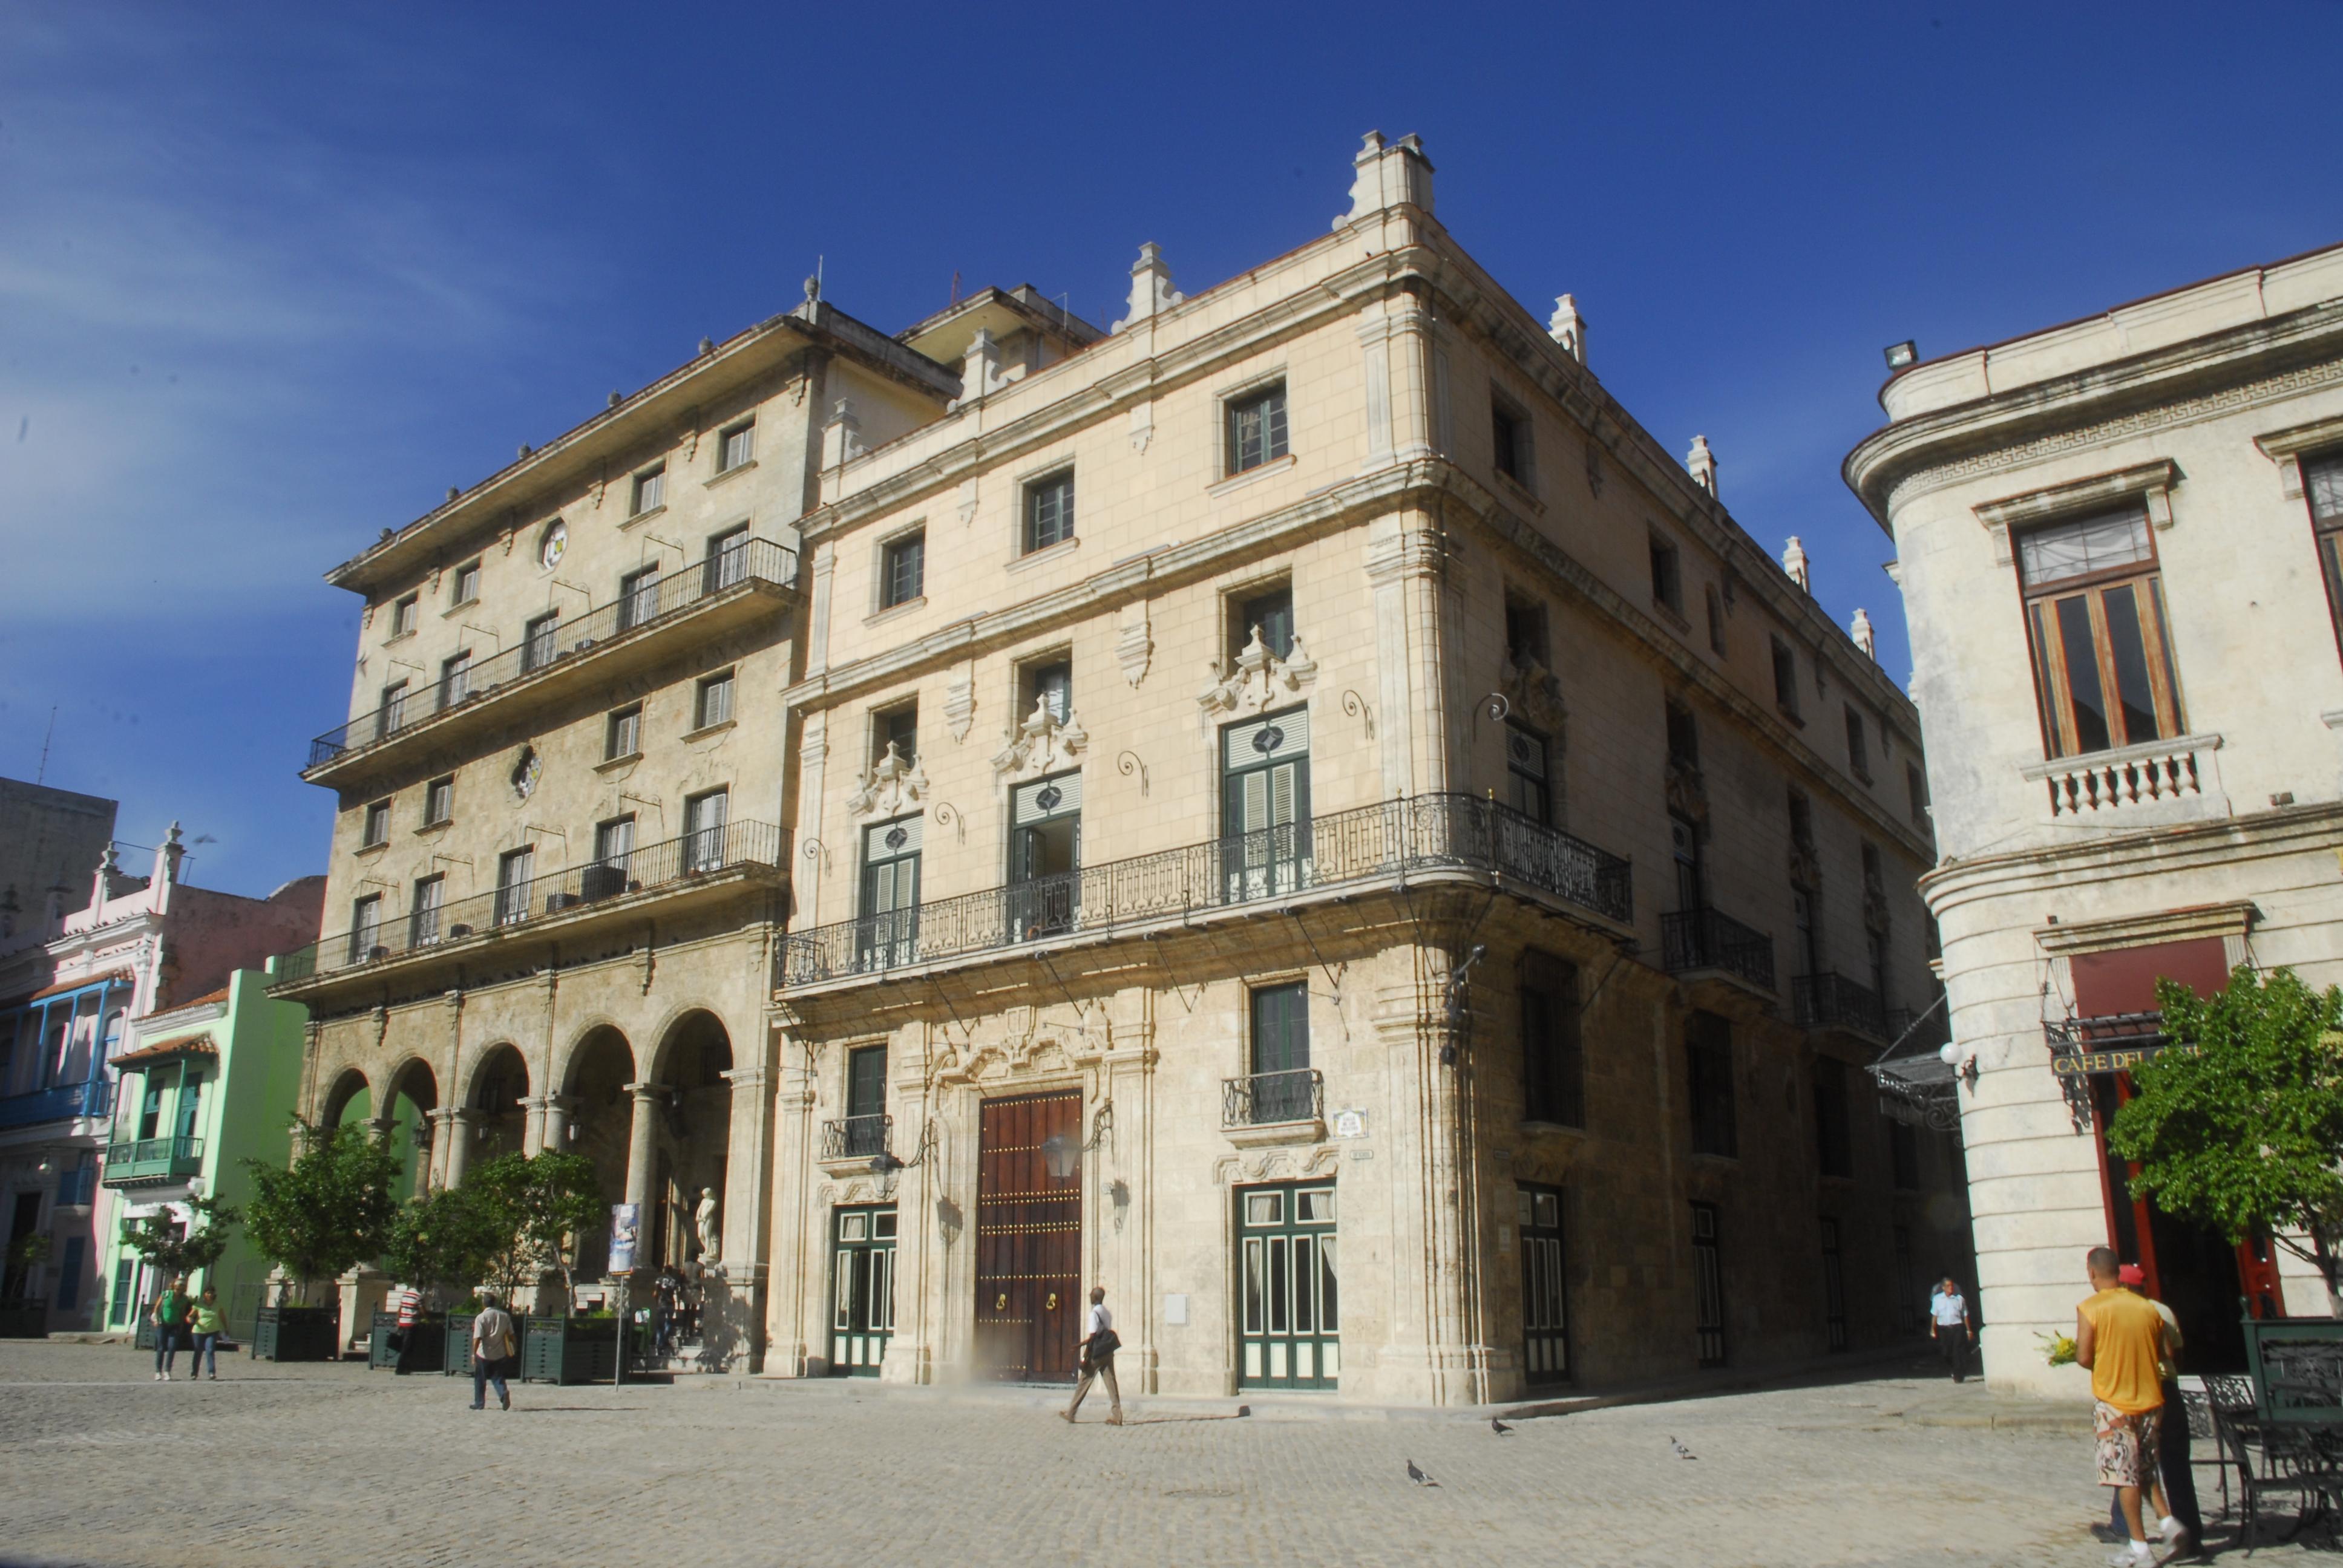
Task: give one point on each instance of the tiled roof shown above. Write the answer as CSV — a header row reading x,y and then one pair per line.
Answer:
x,y
164,1050
125,976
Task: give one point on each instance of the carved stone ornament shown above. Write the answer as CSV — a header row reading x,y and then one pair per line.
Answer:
x,y
527,772
889,787
1875,907
1134,644
959,705
1260,680
1534,692
1044,743
1687,792
1806,866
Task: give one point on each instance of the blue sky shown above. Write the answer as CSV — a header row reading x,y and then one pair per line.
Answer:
x,y
273,276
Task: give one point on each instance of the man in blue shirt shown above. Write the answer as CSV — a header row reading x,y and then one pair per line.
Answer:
x,y
1949,1326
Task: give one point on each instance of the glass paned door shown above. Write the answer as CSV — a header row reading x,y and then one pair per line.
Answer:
x,y
513,873
1545,1319
1265,806
862,1289
887,929
1045,856
704,819
1289,1308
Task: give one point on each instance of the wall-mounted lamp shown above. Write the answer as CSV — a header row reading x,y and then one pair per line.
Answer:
x,y
1902,355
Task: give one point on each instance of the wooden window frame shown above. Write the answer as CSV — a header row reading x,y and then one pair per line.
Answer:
x,y
2040,607
1266,406
2327,531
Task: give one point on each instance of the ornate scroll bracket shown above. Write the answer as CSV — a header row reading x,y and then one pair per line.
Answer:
x,y
889,787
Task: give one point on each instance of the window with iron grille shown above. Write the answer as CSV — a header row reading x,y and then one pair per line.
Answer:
x,y
1708,1049
439,801
866,1081
1281,1053
728,558
715,701
365,927
1050,511
514,869
903,569
537,640
1509,441
1553,1065
739,446
2094,599
1256,429
1834,1141
1785,678
624,735
377,826
2322,487
430,893
638,596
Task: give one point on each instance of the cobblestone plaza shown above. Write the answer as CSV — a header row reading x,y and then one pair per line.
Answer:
x,y
328,1463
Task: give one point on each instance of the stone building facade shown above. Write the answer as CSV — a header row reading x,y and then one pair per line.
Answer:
x,y
1294,806
1309,818
2116,540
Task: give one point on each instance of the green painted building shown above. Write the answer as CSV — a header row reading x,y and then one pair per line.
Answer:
x,y
205,1087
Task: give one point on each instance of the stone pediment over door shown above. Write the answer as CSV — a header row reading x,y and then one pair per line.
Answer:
x,y
888,788
1044,743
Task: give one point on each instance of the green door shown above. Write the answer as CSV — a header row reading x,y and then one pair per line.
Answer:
x,y
1545,1320
1289,1317
862,1289
1265,806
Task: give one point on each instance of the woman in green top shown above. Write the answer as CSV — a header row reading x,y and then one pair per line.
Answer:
x,y
209,1327
170,1317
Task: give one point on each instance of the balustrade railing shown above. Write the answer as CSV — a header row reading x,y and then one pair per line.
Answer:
x,y
60,1103
544,646
1833,1002
150,1157
1265,1099
1707,939
653,866
857,1137
1395,838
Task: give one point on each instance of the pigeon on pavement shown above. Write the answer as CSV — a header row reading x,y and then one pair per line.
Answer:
x,y
1681,1452
1419,1477
1499,1428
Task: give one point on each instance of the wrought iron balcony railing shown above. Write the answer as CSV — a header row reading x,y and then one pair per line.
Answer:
x,y
1833,1002
643,605
670,863
857,1137
1264,1098
1397,838
62,1102
152,1160
1707,939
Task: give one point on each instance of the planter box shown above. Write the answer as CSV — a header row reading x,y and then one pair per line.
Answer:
x,y
297,1335
455,1346
426,1349
569,1350
24,1317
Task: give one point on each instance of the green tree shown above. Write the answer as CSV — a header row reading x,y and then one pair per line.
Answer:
x,y
538,1208
328,1210
170,1250
2238,1127
442,1243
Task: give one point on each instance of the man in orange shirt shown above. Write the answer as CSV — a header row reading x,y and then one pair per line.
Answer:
x,y
2120,1338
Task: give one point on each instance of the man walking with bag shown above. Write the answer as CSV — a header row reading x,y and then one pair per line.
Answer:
x,y
493,1349
1100,1341
2120,1338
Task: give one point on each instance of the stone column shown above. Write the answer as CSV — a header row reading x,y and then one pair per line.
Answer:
x,y
641,1139
786,1326
746,1214
460,1129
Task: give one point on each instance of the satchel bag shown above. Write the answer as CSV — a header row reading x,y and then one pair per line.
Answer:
x,y
1102,1346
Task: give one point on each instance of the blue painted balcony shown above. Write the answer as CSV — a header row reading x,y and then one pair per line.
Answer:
x,y
62,1102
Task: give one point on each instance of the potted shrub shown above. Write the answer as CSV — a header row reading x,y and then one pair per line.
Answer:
x,y
539,1207
438,1244
328,1211
169,1251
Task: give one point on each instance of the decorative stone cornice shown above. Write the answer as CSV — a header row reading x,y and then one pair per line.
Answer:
x,y
1260,679
2230,920
889,787
2152,482
2285,447
1044,743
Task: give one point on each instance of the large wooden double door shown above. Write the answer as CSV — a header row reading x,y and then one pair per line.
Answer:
x,y
1030,1304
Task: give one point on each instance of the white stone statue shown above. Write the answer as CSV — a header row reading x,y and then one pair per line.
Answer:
x,y
704,1221
1864,637
1794,561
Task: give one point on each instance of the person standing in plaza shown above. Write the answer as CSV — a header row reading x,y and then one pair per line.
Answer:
x,y
211,1327
493,1347
1949,1326
169,1316
2120,1338
1100,1341
407,1301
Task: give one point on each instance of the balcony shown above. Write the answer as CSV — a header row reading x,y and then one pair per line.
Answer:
x,y
851,1143
2128,776
562,901
2111,1042
1427,836
1698,941
149,1160
1274,1107
1834,1002
64,1102
709,596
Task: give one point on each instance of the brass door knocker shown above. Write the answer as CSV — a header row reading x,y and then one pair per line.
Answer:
x,y
1051,1305
1000,1301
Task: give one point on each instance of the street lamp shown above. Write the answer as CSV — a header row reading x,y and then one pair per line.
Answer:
x,y
1902,355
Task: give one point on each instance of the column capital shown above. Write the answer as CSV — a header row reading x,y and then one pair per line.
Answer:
x,y
648,1091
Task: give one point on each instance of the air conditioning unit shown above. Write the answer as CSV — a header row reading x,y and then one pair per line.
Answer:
x,y
374,955
556,902
458,930
602,882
